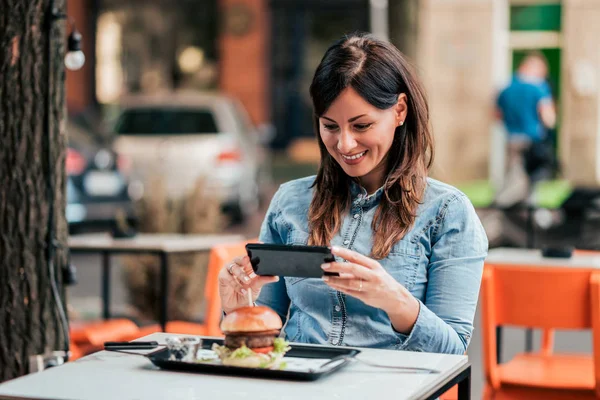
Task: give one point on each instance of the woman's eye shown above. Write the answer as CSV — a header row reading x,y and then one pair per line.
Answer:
x,y
331,128
362,127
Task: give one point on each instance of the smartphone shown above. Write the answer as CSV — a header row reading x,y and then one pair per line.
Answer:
x,y
285,260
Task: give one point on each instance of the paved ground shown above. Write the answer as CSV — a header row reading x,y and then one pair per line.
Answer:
x,y
85,298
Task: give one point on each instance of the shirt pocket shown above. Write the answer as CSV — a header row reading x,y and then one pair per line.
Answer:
x,y
293,329
296,237
403,262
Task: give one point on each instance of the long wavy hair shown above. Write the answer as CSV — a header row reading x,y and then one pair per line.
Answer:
x,y
379,73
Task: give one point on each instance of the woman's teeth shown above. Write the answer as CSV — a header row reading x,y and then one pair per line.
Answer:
x,y
354,157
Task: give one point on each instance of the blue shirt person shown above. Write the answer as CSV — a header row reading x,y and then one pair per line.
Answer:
x,y
521,104
409,250
527,111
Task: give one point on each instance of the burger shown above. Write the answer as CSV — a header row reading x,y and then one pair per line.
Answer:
x,y
251,338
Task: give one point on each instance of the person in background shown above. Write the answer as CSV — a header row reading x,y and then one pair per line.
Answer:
x,y
409,249
527,111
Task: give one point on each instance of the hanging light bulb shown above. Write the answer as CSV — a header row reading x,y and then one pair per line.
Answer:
x,y
75,58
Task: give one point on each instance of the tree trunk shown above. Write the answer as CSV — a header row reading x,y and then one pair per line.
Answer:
x,y
29,321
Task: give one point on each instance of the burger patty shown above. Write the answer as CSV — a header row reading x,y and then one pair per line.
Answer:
x,y
234,341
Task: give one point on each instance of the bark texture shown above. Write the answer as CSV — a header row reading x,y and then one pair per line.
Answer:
x,y
29,322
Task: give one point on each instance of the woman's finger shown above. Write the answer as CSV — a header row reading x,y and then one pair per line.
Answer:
x,y
348,270
238,288
238,273
260,281
354,257
246,266
357,285
353,293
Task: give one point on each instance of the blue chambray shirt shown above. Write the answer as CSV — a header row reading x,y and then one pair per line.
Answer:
x,y
440,261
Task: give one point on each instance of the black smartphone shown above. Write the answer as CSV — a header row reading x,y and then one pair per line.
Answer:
x,y
557,252
130,345
285,260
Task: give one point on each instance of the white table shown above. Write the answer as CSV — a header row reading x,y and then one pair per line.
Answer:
x,y
533,257
158,244
107,375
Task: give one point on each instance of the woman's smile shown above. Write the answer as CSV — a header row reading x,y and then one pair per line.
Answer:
x,y
355,158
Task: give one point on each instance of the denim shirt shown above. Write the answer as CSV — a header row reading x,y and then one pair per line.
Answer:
x,y
439,260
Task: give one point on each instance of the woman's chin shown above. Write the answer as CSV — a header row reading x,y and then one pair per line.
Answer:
x,y
354,171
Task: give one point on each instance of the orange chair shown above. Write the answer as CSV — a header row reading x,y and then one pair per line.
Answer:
x,y
451,394
219,256
549,298
95,333
89,336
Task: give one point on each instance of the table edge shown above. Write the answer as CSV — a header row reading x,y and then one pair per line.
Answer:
x,y
450,374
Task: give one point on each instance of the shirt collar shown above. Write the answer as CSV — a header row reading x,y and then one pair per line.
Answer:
x,y
361,197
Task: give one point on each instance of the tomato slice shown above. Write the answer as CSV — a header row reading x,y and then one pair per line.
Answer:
x,y
263,350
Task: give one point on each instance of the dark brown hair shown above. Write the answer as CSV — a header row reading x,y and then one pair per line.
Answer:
x,y
379,73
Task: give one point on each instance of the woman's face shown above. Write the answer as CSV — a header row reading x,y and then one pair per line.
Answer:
x,y
359,135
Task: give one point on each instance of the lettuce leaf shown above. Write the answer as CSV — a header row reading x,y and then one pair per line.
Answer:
x,y
281,346
222,351
242,352
270,360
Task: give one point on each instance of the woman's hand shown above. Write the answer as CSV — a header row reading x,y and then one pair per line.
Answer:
x,y
234,281
365,279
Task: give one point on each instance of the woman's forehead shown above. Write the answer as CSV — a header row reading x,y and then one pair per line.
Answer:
x,y
349,104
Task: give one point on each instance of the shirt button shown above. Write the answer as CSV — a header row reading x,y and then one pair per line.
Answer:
x,y
335,343
346,242
356,216
338,308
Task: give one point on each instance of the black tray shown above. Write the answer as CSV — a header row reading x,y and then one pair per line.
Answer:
x,y
160,358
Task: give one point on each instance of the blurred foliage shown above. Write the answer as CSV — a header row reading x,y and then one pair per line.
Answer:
x,y
481,193
547,194
552,194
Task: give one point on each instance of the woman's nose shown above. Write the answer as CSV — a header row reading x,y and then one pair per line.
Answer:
x,y
346,143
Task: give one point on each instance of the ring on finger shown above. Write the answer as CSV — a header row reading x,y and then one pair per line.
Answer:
x,y
230,267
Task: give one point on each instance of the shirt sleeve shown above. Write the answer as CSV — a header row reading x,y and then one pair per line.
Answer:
x,y
544,93
445,320
274,295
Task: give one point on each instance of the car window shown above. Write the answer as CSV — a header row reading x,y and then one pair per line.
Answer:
x,y
165,121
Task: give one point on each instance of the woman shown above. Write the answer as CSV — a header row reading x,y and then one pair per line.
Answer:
x,y
410,249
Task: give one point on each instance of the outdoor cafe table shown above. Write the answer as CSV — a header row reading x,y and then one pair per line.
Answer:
x,y
500,257
158,244
109,375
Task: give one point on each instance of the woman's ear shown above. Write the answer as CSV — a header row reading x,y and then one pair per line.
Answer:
x,y
401,109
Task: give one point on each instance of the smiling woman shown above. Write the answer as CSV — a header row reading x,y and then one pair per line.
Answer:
x,y
409,250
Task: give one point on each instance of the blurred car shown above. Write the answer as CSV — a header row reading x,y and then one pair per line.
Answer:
x,y
181,137
97,188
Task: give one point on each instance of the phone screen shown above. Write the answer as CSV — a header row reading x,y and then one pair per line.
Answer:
x,y
285,260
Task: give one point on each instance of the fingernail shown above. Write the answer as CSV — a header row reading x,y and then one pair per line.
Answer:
x,y
335,248
244,291
326,278
252,275
246,279
325,266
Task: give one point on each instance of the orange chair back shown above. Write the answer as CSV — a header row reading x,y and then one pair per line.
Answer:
x,y
551,298
545,298
219,256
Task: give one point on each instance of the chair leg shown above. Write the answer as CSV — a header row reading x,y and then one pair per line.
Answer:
x,y
488,393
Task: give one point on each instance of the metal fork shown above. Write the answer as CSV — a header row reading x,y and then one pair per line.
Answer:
x,y
407,370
